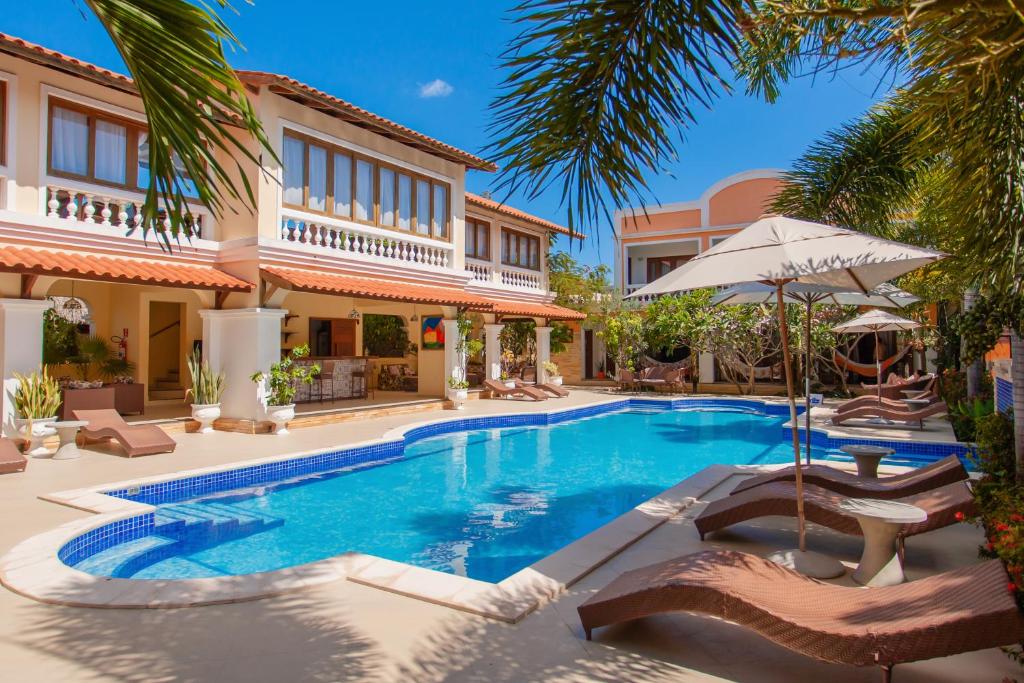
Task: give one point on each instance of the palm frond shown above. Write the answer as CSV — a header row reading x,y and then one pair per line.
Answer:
x,y
197,109
597,89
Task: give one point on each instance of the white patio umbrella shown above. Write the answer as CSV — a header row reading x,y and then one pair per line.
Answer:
x,y
885,295
776,250
877,321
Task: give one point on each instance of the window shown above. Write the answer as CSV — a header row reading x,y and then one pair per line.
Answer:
x,y
101,148
520,249
340,183
478,239
719,239
658,266
332,337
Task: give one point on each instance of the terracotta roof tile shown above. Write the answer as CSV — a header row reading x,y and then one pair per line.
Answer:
x,y
436,146
549,311
86,266
48,57
505,209
372,288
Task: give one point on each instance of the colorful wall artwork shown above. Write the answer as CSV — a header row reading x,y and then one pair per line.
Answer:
x,y
433,333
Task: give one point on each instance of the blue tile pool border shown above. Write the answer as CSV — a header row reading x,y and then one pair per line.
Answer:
x,y
185,488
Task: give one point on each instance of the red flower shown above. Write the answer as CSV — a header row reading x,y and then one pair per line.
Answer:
x,y
989,546
959,516
1012,587
1002,527
1017,517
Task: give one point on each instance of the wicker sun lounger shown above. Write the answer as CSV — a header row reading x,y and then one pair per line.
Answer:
x,y
940,473
105,425
498,389
821,506
958,611
11,459
898,414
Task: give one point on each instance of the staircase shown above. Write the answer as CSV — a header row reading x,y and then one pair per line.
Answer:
x,y
167,388
179,530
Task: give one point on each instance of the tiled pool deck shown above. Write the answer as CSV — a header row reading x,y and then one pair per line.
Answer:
x,y
342,630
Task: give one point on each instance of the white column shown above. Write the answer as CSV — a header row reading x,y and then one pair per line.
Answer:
x,y
543,352
21,348
492,350
707,367
453,365
240,342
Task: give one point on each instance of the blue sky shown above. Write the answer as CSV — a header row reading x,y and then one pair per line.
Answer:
x,y
386,56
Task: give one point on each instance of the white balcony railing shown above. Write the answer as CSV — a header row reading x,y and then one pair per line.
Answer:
x,y
481,272
364,243
629,289
505,277
109,209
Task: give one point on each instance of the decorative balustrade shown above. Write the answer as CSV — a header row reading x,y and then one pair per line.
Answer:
x,y
648,297
106,210
353,241
482,272
521,279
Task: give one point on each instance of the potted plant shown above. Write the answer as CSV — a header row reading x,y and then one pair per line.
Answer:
x,y
282,379
37,399
552,372
207,388
458,392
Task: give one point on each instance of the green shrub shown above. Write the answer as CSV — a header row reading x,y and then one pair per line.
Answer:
x,y
994,453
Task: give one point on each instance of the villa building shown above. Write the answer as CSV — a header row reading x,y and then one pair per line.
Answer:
x,y
651,241
363,216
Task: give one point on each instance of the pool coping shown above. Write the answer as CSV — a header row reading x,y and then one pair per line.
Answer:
x,y
34,570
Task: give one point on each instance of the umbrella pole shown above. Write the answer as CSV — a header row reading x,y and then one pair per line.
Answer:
x,y
807,385
878,372
788,369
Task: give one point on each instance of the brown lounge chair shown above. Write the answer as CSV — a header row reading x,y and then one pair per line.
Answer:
x,y
821,506
949,470
498,389
958,611
134,439
894,387
627,380
872,400
553,389
898,414
11,459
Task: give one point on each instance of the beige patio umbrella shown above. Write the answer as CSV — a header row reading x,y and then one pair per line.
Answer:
x,y
884,295
776,250
877,321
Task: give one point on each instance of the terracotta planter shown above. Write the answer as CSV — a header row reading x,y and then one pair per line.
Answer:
x,y
281,416
205,414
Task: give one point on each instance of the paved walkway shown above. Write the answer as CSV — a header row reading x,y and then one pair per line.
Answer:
x,y
345,631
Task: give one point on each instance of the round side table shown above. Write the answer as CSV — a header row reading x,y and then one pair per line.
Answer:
x,y
67,431
881,521
867,458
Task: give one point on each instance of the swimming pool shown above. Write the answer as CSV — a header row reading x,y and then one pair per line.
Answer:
x,y
483,503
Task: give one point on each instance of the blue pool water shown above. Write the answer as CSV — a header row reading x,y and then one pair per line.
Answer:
x,y
482,504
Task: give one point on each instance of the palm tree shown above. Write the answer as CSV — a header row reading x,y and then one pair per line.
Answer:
x,y
195,105
597,90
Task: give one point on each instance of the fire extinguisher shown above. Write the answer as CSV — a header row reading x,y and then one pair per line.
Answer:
x,y
122,343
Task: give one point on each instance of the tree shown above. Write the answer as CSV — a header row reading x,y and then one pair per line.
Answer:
x,y
195,105
596,88
743,337
686,319
577,286
624,337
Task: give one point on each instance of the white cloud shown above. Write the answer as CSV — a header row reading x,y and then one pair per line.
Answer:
x,y
436,88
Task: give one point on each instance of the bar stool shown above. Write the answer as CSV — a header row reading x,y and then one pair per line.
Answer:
x,y
359,382
325,381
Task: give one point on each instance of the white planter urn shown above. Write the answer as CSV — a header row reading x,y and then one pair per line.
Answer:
x,y
41,428
458,397
281,416
205,414
556,380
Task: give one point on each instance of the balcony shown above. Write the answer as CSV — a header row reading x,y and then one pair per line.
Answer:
x,y
629,289
506,277
109,208
363,242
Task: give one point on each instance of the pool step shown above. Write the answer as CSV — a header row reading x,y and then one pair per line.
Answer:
x,y
111,562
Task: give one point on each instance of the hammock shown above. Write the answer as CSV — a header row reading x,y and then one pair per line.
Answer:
x,y
762,373
678,365
868,369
